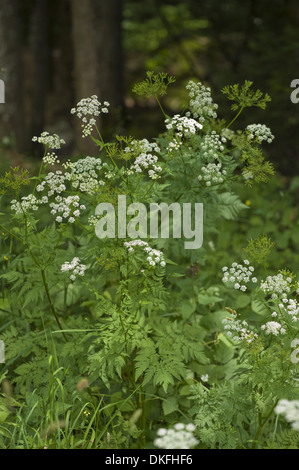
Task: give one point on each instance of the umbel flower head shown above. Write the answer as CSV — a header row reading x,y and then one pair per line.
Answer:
x,y
154,257
289,409
27,203
201,104
212,174
84,174
239,275
180,437
184,126
146,159
88,109
51,141
238,329
273,327
75,267
259,132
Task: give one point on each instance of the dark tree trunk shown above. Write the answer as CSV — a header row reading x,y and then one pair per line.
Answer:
x,y
110,57
41,64
86,64
60,98
63,59
11,40
97,47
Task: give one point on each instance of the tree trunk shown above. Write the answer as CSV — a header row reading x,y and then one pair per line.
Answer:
x,y
12,112
41,64
111,60
86,64
98,56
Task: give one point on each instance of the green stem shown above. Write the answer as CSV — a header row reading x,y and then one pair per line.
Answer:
x,y
262,424
46,287
158,101
39,173
110,156
43,276
143,417
237,115
51,303
10,233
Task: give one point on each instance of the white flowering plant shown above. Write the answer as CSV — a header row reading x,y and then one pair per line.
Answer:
x,y
120,342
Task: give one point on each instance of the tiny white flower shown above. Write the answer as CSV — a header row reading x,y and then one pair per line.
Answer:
x,y
204,378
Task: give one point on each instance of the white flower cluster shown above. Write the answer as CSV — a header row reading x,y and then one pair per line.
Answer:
x,y
201,104
212,145
289,409
27,202
259,132
83,174
227,133
74,266
180,437
212,173
239,275
184,126
277,286
237,329
289,307
93,219
247,175
51,141
50,159
66,208
88,109
142,146
153,256
273,328
54,181
145,160
174,145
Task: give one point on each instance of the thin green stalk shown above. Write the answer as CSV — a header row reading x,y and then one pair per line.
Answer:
x,y
10,233
275,427
262,424
237,115
43,276
143,417
51,303
158,101
39,173
110,156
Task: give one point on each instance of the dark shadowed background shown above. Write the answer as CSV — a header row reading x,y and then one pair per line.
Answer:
x,y
55,52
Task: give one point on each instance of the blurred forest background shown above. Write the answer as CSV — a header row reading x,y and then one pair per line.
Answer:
x,y
55,52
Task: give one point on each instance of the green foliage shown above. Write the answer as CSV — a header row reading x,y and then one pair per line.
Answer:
x,y
256,169
14,179
245,96
286,439
153,85
107,340
258,250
